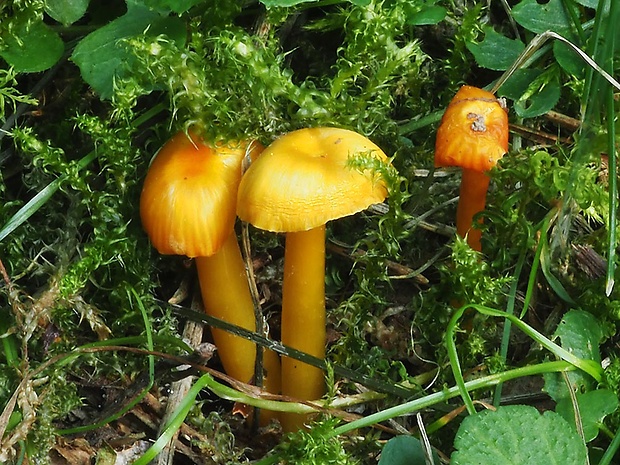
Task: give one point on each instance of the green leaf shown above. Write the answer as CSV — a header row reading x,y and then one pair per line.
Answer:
x,y
101,55
516,435
66,12
427,16
404,450
588,3
579,333
539,17
175,6
533,98
569,60
496,52
594,406
283,3
32,48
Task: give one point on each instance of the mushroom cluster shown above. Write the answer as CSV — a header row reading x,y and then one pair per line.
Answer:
x,y
191,197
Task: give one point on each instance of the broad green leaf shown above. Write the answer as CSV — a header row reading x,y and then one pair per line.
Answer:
x,y
539,16
496,52
32,48
517,435
404,450
594,406
427,16
66,12
101,56
580,333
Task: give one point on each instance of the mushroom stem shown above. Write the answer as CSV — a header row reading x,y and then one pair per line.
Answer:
x,y
303,317
226,295
473,194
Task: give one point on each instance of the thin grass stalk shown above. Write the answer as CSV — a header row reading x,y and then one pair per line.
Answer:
x,y
614,17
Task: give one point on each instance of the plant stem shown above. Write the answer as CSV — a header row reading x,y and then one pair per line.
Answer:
x,y
446,394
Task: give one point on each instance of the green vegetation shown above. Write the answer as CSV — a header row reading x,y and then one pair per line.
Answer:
x,y
428,340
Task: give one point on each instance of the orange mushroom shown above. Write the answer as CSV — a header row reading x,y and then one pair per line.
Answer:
x,y
187,207
300,182
473,134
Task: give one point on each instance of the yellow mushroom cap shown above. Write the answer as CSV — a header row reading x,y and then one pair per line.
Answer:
x,y
188,200
304,179
473,133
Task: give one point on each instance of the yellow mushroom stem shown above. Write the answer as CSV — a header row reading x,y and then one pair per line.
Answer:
x,y
226,295
303,317
473,194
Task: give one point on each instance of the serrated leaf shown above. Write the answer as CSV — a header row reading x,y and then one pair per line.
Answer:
x,y
102,57
539,17
496,52
529,103
594,406
32,48
516,435
66,12
428,16
404,450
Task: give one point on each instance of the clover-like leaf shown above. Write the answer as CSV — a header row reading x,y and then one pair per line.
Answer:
x,y
515,435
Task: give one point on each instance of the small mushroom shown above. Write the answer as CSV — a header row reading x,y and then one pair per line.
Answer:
x,y
187,207
300,182
473,134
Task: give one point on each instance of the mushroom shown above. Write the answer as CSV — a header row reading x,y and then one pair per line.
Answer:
x,y
473,134
187,207
300,182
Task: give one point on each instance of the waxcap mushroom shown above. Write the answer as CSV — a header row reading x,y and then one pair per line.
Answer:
x,y
473,133
188,184
303,180
300,182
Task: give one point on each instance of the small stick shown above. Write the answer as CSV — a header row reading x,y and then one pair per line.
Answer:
x,y
192,334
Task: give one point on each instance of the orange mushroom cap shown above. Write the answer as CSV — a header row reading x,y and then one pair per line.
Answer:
x,y
473,133
188,200
304,179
